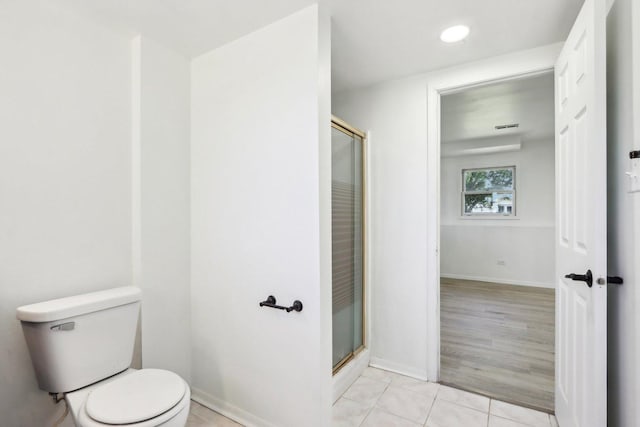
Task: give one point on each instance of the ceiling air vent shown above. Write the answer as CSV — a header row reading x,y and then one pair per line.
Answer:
x,y
512,125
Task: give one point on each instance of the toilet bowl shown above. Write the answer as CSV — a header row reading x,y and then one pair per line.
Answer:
x,y
135,398
82,346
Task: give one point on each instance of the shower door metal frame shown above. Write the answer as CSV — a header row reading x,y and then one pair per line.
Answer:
x,y
344,127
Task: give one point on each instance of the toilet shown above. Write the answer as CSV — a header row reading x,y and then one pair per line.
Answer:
x,y
82,346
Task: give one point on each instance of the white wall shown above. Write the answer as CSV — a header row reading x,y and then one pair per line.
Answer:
x,y
623,110
470,248
260,221
161,99
396,113
65,183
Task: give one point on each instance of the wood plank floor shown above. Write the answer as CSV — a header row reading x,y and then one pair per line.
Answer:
x,y
498,340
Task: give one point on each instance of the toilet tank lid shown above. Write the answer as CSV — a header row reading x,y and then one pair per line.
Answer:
x,y
77,305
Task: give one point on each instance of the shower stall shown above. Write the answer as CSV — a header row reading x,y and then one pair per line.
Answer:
x,y
348,241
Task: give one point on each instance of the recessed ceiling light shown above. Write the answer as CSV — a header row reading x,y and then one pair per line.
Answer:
x,y
454,34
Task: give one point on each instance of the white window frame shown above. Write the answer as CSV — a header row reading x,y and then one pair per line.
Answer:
x,y
497,215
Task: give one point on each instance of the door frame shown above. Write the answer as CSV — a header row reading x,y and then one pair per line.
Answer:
x,y
503,68
635,43
342,126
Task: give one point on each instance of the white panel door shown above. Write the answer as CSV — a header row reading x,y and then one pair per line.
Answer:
x,y
581,309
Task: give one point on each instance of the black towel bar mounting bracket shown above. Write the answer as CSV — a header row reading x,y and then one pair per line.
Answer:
x,y
271,302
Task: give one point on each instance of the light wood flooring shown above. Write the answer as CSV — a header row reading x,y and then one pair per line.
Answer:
x,y
498,340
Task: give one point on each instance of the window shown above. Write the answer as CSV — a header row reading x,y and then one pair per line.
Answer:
x,y
489,191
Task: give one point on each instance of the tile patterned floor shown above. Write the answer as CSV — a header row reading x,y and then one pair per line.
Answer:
x,y
385,399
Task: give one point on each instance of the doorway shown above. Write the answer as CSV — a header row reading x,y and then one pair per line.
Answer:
x,y
497,215
580,280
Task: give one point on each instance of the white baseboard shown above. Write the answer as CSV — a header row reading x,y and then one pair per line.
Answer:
x,y
398,368
349,373
497,280
228,410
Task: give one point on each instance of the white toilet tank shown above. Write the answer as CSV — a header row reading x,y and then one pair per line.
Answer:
x,y
79,340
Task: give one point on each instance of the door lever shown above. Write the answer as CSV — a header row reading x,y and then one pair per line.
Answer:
x,y
611,280
615,280
587,278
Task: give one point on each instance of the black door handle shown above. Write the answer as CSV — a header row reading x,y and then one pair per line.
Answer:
x,y
587,278
615,280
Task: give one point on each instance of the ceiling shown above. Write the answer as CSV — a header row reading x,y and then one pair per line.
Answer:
x,y
372,41
474,113
380,40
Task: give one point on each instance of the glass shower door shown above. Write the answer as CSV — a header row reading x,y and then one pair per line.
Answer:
x,y
347,184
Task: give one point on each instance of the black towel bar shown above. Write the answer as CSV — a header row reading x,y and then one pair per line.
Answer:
x,y
271,302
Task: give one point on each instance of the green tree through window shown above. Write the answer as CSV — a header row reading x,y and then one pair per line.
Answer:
x,y
489,191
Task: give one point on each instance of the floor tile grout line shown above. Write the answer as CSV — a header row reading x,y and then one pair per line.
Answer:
x,y
400,416
462,404
433,403
513,421
368,413
421,395
374,403
390,384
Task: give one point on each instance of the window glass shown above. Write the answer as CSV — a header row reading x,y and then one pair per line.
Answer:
x,y
488,179
489,191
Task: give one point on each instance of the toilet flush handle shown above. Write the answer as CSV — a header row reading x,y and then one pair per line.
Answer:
x,y
69,326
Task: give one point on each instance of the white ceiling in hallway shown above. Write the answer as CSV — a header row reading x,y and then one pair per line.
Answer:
x,y
380,40
372,41
472,114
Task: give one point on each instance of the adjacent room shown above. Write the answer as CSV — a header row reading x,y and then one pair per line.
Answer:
x,y
497,261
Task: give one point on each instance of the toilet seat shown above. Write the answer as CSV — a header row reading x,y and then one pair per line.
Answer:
x,y
141,396
144,398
